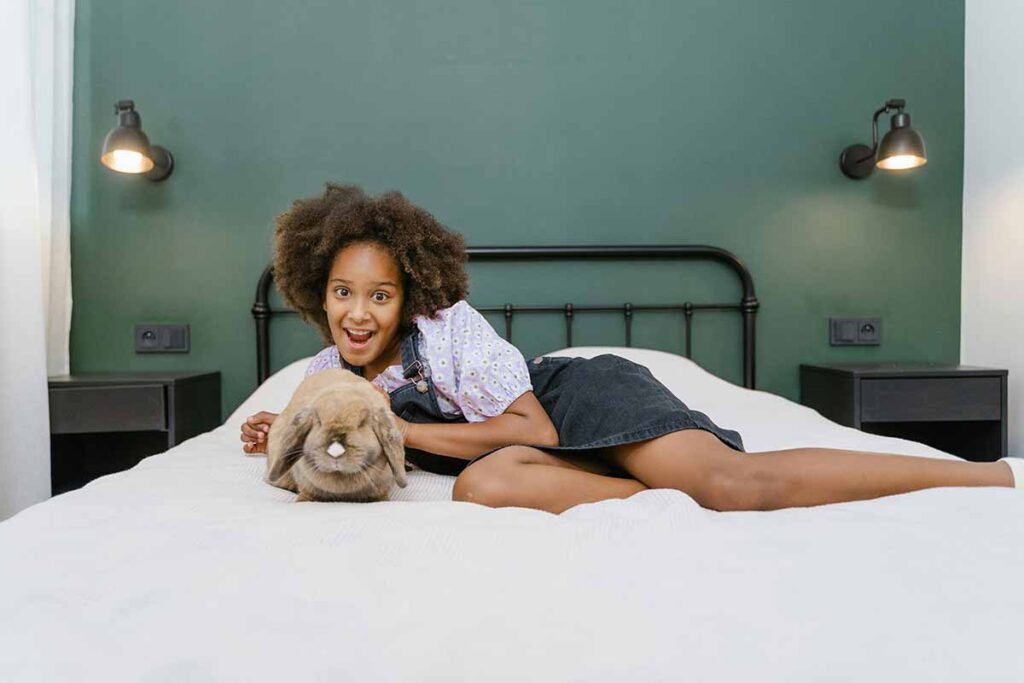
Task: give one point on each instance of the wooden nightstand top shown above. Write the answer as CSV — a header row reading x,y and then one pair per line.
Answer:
x,y
99,379
905,370
181,404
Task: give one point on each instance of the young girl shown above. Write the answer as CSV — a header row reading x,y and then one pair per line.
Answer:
x,y
385,284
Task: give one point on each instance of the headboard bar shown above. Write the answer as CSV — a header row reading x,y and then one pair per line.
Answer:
x,y
627,310
747,305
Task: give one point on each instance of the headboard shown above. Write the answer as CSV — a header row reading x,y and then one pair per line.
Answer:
x,y
747,305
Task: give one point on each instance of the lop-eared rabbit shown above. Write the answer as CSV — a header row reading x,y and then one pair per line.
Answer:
x,y
336,441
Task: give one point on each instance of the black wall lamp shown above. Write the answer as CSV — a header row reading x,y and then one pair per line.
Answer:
x,y
126,148
901,148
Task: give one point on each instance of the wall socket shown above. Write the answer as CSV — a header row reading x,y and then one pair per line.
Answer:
x,y
855,331
162,339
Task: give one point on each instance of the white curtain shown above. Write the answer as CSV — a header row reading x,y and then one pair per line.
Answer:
x,y
36,46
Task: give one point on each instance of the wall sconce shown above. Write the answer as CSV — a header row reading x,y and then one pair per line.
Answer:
x,y
901,147
126,148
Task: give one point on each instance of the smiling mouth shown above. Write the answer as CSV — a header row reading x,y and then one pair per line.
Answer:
x,y
359,340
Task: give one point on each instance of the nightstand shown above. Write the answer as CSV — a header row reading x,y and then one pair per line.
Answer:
x,y
959,409
104,423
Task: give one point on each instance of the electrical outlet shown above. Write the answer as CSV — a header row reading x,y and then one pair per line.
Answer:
x,y
855,331
162,339
870,331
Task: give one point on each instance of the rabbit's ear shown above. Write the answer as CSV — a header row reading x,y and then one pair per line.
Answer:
x,y
291,442
391,441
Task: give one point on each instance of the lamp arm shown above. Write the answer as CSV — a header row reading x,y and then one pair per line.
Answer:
x,y
874,129
889,106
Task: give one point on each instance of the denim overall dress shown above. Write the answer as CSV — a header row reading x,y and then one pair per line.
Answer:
x,y
592,402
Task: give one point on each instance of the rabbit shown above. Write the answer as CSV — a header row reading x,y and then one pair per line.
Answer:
x,y
336,441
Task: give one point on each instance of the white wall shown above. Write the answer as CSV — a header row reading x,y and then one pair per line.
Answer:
x,y
992,323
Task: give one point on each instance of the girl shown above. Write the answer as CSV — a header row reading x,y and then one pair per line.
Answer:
x,y
385,284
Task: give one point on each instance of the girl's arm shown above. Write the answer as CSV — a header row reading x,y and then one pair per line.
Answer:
x,y
524,421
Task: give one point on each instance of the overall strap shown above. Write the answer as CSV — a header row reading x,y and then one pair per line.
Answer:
x,y
413,366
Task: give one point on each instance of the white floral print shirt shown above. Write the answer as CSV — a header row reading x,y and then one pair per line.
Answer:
x,y
475,371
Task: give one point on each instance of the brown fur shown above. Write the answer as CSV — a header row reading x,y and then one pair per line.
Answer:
x,y
336,405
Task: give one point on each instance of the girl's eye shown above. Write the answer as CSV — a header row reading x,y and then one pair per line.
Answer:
x,y
341,291
380,296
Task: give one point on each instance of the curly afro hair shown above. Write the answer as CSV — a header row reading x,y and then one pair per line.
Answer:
x,y
308,236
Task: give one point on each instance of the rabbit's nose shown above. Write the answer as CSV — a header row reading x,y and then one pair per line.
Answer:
x,y
335,449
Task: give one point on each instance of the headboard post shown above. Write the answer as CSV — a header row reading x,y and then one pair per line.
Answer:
x,y
261,314
748,308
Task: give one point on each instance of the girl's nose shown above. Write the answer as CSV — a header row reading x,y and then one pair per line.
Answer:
x,y
358,313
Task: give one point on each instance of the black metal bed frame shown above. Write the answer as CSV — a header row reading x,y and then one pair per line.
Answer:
x,y
747,305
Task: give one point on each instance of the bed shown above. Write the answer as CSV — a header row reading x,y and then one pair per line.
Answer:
x,y
188,567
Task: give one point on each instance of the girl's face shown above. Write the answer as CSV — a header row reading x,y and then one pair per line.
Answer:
x,y
363,303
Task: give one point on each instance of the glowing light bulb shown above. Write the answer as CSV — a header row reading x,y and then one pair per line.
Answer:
x,y
127,161
901,161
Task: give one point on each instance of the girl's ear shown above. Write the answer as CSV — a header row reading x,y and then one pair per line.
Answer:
x,y
289,448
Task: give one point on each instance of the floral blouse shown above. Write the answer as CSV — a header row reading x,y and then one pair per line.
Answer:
x,y
475,371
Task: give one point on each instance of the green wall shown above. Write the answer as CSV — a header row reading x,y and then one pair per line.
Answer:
x,y
569,122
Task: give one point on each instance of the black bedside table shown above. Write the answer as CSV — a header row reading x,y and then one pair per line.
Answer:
x,y
104,423
959,409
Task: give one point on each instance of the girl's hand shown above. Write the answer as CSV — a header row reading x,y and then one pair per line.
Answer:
x,y
255,430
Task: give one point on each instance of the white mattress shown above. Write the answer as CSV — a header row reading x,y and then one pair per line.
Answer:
x,y
189,568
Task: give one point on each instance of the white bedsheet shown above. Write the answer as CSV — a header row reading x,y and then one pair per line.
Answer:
x,y
189,568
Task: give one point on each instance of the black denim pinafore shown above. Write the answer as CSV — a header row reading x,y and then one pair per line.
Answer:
x,y
593,403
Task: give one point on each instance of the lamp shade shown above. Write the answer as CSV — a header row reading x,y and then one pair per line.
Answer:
x,y
126,148
902,147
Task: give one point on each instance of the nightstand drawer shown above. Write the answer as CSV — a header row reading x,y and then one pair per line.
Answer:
x,y
930,399
80,410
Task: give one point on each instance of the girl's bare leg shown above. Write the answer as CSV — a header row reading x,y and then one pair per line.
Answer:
x,y
698,463
521,476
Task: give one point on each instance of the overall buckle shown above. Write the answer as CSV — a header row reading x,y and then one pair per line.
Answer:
x,y
418,372
415,368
